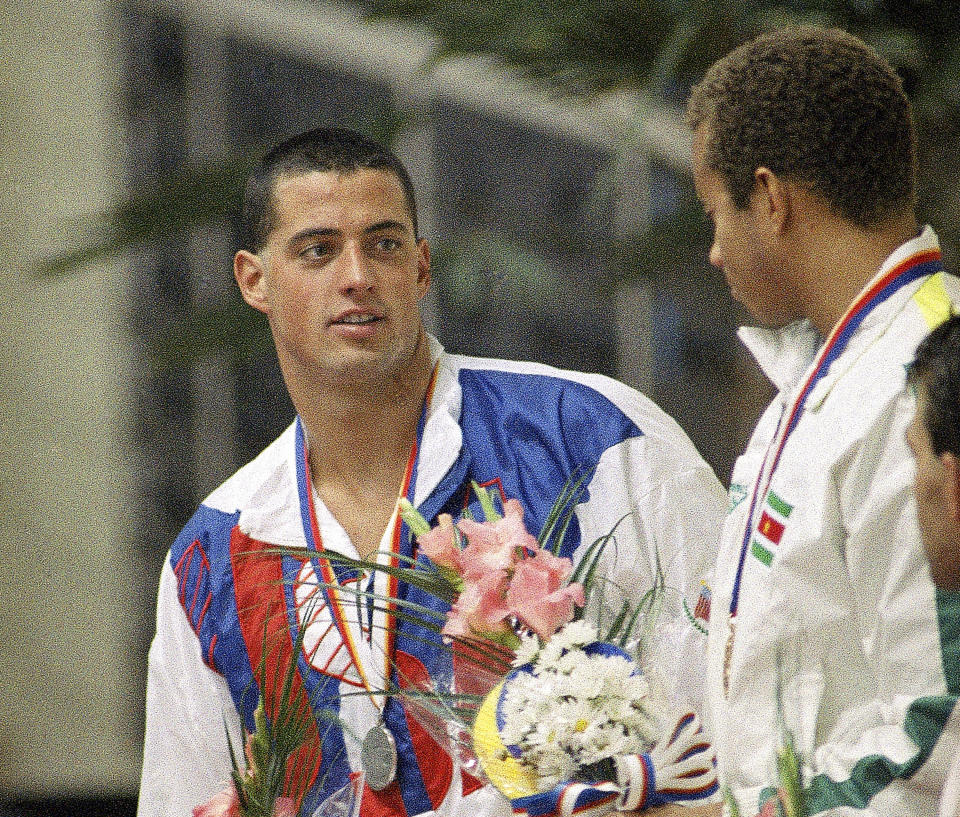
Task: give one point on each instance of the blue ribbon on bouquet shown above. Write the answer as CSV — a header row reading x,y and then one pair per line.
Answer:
x,y
567,799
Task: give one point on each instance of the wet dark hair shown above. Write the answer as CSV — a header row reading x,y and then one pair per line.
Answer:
x,y
322,149
818,106
936,366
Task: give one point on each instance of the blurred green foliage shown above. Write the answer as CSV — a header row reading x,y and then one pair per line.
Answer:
x,y
660,47
585,47
579,48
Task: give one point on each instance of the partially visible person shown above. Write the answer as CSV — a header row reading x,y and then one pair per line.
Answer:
x,y
333,257
934,439
824,621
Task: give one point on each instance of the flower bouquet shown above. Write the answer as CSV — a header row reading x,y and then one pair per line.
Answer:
x,y
271,778
788,797
574,725
552,711
262,787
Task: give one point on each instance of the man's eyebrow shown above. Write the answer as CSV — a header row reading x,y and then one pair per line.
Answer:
x,y
328,232
387,224
312,232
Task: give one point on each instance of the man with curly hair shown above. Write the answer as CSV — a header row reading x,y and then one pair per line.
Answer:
x,y
934,439
824,631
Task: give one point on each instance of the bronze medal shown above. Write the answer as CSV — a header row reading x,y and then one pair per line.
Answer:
x,y
727,659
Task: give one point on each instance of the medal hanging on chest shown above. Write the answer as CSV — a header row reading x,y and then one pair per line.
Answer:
x,y
378,757
728,658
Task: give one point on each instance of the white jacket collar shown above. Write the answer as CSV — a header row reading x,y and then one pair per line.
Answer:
x,y
785,354
442,436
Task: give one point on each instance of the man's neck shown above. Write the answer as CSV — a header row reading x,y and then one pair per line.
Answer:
x,y
361,432
359,438
839,259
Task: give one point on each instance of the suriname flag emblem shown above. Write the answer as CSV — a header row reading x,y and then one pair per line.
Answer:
x,y
770,528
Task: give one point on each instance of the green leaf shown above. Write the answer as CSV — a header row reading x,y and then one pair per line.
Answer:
x,y
414,519
490,512
427,577
733,809
192,196
561,512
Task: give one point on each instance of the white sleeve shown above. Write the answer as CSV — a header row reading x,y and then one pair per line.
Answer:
x,y
674,507
950,799
189,710
888,751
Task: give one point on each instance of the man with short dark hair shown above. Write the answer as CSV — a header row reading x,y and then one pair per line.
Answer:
x,y
824,621
934,439
332,256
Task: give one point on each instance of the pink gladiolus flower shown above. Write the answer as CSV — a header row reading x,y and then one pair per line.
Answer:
x,y
479,609
223,804
227,804
439,544
494,546
539,595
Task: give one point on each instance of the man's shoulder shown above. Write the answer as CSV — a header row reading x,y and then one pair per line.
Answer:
x,y
525,374
263,487
266,471
860,410
523,377
872,377
589,403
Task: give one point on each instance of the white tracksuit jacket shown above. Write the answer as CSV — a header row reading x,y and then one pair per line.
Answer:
x,y
519,427
838,628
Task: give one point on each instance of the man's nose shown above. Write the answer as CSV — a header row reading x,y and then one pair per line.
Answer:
x,y
715,258
356,274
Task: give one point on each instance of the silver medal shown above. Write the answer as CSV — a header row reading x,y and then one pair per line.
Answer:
x,y
378,757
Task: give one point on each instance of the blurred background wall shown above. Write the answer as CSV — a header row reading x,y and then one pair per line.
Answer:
x,y
556,196
68,710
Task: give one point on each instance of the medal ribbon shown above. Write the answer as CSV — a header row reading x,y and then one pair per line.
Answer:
x,y
918,265
311,530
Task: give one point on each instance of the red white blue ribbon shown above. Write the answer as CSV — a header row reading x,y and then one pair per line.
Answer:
x,y
328,574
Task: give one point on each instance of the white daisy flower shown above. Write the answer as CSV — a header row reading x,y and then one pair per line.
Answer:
x,y
575,634
573,709
527,651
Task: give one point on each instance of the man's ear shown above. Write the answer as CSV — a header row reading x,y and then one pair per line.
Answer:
x,y
951,467
423,266
772,198
251,274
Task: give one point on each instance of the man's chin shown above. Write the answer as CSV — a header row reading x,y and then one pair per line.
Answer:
x,y
769,321
374,368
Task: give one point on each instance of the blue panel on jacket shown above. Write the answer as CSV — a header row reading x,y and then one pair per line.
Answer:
x,y
534,432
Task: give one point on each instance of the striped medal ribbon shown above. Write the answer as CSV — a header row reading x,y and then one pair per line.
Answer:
x,y
378,753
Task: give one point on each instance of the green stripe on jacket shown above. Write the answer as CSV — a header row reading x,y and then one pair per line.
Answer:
x,y
924,724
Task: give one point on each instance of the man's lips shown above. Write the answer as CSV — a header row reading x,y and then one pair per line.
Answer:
x,y
356,317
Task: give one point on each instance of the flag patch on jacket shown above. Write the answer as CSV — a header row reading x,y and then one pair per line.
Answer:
x,y
700,616
770,528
